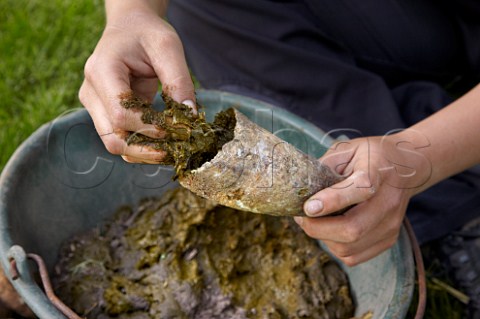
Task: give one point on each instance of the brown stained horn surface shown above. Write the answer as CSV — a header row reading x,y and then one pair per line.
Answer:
x,y
260,173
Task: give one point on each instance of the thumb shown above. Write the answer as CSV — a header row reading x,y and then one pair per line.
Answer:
x,y
358,187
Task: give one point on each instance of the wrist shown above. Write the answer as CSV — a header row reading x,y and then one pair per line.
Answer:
x,y
451,135
116,11
409,154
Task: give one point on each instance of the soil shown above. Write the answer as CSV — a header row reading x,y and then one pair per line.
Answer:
x,y
182,256
189,141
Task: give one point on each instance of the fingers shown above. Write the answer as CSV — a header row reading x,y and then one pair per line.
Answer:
x,y
352,160
373,222
114,138
356,236
118,118
365,230
361,255
133,159
385,211
109,81
347,228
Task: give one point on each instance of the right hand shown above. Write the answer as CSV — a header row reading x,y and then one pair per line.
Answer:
x,y
134,53
382,174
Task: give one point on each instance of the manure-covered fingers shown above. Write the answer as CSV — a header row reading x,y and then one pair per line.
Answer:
x,y
114,138
98,95
116,143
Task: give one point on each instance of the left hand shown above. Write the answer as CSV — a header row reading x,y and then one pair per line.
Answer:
x,y
382,175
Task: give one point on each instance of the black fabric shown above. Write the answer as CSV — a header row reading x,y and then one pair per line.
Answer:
x,y
370,65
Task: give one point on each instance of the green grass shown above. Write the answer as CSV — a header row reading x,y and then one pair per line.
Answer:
x,y
43,47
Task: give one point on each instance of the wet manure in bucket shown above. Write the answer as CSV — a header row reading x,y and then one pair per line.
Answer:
x,y
181,256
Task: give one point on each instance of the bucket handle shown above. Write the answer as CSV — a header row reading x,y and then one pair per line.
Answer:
x,y
422,284
15,274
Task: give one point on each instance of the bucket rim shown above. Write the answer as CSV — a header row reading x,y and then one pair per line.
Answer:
x,y
43,308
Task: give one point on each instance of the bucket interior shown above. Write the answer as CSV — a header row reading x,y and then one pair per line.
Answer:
x,y
62,181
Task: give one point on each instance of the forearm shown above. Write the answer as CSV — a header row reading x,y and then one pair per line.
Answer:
x,y
117,8
453,135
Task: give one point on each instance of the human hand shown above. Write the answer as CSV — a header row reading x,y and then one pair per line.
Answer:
x,y
136,50
382,173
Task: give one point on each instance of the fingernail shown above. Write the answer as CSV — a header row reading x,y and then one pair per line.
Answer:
x,y
298,220
313,207
191,105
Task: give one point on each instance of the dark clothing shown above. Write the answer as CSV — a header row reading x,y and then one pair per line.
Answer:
x,y
370,65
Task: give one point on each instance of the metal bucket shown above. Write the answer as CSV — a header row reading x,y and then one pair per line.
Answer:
x,y
62,181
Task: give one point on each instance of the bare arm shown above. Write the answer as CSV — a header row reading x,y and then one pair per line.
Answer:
x,y
454,136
